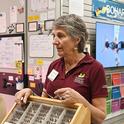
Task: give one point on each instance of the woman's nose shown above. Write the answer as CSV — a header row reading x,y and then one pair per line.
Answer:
x,y
55,41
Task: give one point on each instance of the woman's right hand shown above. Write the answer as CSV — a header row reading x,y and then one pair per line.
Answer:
x,y
22,95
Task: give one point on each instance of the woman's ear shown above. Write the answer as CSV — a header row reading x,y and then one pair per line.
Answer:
x,y
77,41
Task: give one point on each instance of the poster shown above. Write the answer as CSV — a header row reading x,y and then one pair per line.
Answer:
x,y
108,9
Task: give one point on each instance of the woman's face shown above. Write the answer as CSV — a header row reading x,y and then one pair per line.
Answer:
x,y
64,43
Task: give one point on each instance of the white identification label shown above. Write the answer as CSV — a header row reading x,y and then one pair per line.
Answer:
x,y
53,74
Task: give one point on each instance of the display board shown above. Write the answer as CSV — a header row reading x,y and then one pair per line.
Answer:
x,y
12,63
40,16
12,45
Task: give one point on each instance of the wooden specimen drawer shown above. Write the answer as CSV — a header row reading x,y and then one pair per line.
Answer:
x,y
39,110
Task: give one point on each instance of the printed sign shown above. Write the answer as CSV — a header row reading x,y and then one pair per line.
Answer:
x,y
108,9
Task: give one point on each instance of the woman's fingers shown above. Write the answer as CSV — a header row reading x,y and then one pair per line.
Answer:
x,y
22,96
68,95
61,91
27,94
19,97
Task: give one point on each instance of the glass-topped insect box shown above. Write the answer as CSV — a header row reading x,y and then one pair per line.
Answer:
x,y
39,110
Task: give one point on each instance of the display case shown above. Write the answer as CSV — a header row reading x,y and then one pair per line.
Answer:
x,y
39,110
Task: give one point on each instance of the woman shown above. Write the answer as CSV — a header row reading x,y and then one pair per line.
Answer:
x,y
75,76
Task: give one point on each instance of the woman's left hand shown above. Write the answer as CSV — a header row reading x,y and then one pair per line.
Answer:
x,y
68,95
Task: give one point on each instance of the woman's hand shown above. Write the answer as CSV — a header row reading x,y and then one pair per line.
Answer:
x,y
68,95
22,95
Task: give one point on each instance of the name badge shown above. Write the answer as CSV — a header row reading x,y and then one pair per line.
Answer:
x,y
53,74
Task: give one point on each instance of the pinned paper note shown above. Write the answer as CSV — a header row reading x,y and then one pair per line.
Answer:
x,y
10,78
3,22
32,84
41,46
13,14
30,71
37,72
31,78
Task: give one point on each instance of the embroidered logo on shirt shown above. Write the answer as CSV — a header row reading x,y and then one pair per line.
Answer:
x,y
81,75
80,78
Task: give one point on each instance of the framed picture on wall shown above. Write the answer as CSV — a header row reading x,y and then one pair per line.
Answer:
x,y
48,24
32,26
20,27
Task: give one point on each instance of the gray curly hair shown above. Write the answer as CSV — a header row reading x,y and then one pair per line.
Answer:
x,y
75,27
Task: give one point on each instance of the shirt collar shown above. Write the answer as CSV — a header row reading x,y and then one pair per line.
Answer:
x,y
87,59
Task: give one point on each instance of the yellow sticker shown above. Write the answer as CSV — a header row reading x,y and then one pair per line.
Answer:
x,y
19,67
19,71
30,71
33,18
82,75
39,62
32,84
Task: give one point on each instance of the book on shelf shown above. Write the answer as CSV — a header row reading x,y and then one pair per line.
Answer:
x,y
108,107
116,78
116,92
122,77
122,103
122,91
108,80
115,105
109,93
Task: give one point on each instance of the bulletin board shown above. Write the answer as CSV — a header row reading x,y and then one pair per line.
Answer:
x,y
11,50
40,16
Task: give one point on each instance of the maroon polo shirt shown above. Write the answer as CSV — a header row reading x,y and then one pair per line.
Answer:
x,y
87,78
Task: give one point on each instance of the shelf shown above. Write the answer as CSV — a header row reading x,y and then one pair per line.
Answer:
x,y
112,115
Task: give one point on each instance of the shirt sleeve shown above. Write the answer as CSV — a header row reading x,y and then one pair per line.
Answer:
x,y
98,83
